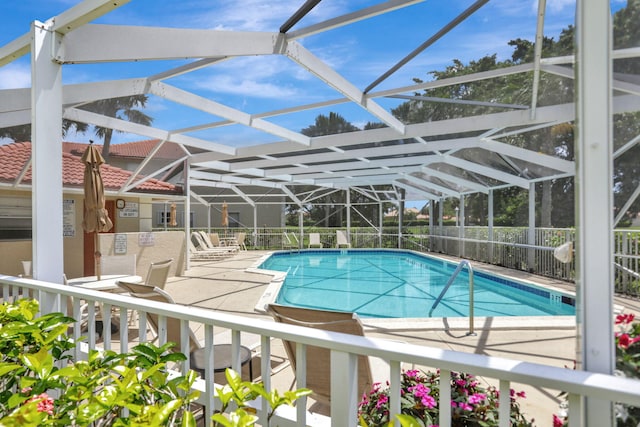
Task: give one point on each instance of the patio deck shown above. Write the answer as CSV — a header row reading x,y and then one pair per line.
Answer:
x,y
225,286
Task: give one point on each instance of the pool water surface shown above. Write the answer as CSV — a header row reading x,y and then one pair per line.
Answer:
x,y
403,284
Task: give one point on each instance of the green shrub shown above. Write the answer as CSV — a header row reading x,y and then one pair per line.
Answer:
x,y
41,384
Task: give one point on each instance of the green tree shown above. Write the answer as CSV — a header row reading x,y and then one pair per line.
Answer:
x,y
22,133
124,108
331,212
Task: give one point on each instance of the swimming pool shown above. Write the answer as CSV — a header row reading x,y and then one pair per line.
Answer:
x,y
403,284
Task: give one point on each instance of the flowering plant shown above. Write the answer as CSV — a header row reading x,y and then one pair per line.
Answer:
x,y
109,389
627,340
627,363
472,405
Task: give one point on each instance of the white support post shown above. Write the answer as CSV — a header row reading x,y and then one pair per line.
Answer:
x,y
344,388
431,224
348,198
490,226
440,222
255,225
461,247
209,218
381,222
187,215
594,201
531,232
300,227
46,148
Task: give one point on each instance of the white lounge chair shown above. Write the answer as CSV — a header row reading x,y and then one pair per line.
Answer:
x,y
207,254
342,241
314,240
289,241
240,237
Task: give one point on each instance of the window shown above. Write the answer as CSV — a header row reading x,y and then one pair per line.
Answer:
x,y
15,218
163,217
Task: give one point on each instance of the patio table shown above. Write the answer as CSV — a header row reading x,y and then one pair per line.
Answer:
x,y
108,283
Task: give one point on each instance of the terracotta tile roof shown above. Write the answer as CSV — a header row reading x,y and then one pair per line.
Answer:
x,y
137,150
14,156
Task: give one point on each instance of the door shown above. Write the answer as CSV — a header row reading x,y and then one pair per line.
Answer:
x,y
90,244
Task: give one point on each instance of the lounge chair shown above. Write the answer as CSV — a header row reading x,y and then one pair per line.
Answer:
x,y
314,240
205,242
318,359
342,241
158,273
214,238
207,254
289,241
240,237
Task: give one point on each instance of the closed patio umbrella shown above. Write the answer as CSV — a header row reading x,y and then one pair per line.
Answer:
x,y
173,215
96,217
225,215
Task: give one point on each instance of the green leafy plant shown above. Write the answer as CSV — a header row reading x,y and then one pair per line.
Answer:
x,y
472,405
41,384
241,393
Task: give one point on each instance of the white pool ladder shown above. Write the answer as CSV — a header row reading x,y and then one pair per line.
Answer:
x,y
446,288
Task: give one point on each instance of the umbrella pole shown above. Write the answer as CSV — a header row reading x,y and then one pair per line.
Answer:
x,y
97,254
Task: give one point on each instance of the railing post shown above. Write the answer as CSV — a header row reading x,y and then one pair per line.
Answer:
x,y
344,388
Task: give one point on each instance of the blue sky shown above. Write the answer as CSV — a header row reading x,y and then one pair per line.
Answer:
x,y
360,52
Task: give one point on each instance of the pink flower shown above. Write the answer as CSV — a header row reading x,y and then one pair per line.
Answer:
x,y
465,406
45,403
521,394
476,398
624,318
412,373
422,392
382,400
557,422
624,341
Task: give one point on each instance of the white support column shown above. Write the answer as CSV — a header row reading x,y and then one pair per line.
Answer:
x,y
431,224
300,226
381,222
440,222
531,232
209,218
46,139
594,201
461,229
348,198
490,225
255,225
187,214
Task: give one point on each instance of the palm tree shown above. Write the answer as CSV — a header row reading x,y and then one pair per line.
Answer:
x,y
123,108
22,133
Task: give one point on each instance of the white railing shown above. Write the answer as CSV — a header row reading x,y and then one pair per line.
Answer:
x,y
344,352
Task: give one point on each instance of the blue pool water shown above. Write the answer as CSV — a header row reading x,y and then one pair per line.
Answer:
x,y
385,284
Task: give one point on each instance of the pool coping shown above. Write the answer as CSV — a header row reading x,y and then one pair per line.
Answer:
x,y
426,323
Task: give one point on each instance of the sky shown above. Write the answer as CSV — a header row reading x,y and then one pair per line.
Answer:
x,y
360,52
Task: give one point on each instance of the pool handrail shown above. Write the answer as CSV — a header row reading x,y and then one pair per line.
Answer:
x,y
462,263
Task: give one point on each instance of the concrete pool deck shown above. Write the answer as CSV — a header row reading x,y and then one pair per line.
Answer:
x,y
228,287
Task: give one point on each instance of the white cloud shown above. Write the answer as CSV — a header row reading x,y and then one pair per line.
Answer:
x,y
14,76
556,6
240,85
